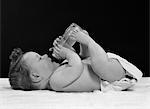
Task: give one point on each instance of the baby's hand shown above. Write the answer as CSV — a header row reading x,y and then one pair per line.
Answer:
x,y
60,51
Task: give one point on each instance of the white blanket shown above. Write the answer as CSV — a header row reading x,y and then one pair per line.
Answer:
x,y
137,98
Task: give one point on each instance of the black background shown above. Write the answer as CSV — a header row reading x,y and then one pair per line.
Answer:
x,y
119,26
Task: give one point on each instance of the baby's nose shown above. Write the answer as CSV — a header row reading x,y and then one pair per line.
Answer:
x,y
45,56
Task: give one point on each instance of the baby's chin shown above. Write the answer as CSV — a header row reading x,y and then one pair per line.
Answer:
x,y
56,64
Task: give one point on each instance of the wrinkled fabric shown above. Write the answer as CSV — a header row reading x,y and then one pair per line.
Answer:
x,y
124,83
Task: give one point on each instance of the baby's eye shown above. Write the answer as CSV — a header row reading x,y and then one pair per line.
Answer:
x,y
40,58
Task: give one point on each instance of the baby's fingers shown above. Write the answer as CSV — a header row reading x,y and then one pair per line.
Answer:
x,y
55,43
58,40
56,52
57,48
55,55
60,47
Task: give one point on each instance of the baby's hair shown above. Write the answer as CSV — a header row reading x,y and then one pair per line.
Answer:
x,y
19,72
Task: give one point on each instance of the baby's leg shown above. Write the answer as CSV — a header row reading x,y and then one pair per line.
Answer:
x,y
84,52
106,68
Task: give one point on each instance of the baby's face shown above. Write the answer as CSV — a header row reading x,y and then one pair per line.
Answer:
x,y
42,65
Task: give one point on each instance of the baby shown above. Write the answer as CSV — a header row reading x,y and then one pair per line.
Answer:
x,y
97,71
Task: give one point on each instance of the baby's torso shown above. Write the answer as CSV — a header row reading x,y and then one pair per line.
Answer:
x,y
88,80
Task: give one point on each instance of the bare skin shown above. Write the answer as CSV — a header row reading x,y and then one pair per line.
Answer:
x,y
74,76
105,68
84,75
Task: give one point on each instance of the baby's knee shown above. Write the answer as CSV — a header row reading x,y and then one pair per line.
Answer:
x,y
111,77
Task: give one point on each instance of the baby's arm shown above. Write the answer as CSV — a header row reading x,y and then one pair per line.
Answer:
x,y
106,68
68,73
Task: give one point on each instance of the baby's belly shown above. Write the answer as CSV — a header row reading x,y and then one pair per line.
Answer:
x,y
88,81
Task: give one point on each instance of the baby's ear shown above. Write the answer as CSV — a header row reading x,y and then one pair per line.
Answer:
x,y
35,77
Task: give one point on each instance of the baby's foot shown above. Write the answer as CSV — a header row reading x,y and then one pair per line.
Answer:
x,y
81,36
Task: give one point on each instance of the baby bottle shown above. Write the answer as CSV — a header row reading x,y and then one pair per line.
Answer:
x,y
66,41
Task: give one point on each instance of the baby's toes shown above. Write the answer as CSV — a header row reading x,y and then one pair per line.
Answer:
x,y
74,32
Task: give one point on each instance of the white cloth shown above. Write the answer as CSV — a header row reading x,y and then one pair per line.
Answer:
x,y
138,98
124,83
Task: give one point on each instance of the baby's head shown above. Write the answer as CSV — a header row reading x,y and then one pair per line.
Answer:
x,y
30,71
